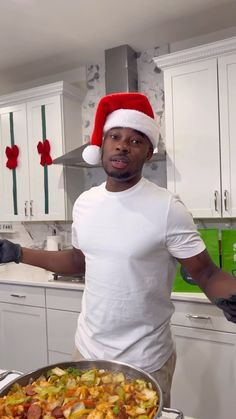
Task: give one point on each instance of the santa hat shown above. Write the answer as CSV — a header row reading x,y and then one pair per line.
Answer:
x,y
128,110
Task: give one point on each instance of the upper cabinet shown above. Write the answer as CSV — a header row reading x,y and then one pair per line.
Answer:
x,y
200,109
36,126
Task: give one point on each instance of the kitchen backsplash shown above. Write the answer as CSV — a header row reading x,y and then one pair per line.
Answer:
x,y
34,234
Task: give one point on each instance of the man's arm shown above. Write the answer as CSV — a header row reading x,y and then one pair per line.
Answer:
x,y
219,286
67,262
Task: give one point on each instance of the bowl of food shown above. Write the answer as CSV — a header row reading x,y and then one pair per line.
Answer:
x,y
85,389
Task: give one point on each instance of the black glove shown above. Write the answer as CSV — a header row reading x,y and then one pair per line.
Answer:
x,y
10,252
228,305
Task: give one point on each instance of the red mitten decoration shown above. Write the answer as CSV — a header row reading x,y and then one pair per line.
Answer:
x,y
12,153
44,149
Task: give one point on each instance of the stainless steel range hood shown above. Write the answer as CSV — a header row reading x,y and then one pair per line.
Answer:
x,y
121,75
74,158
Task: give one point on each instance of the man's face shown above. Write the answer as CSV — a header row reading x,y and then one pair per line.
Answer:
x,y
124,152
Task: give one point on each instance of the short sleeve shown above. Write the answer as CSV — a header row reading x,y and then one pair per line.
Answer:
x,y
74,237
182,238
74,227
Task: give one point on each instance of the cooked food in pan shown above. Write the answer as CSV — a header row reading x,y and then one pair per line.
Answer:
x,y
71,393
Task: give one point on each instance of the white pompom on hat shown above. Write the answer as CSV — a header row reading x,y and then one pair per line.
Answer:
x,y
129,110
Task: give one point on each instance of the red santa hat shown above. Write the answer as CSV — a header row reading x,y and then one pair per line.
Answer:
x,y
128,110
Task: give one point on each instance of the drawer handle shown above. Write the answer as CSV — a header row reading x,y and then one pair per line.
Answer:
x,y
31,208
216,199
197,317
26,208
226,200
18,295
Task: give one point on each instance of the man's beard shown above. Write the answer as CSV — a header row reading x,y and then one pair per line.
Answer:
x,y
118,175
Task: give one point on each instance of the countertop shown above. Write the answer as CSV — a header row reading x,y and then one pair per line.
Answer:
x,y
37,277
32,276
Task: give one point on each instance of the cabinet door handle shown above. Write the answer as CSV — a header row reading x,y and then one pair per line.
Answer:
x,y
197,317
31,208
26,208
18,295
226,195
216,198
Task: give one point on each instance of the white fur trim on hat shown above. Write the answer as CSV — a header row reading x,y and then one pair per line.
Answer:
x,y
92,154
130,118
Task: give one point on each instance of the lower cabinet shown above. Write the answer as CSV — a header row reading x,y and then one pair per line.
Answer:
x,y
37,325
204,384
61,333
23,336
63,307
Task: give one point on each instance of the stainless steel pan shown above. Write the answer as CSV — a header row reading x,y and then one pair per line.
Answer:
x,y
129,371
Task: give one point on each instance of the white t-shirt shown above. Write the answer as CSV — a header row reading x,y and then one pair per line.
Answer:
x,y
130,240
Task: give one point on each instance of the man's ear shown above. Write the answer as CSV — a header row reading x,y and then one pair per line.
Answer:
x,y
150,153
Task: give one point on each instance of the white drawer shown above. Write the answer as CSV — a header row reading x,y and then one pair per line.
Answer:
x,y
201,315
62,299
61,330
22,294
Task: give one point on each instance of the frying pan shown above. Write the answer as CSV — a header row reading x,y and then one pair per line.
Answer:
x,y
129,370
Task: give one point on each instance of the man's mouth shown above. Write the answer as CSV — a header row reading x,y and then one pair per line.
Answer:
x,y
119,162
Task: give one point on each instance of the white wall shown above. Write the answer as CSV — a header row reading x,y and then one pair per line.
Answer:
x,y
204,39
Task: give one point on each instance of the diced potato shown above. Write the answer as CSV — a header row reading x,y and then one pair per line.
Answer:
x,y
119,377
58,371
113,399
106,379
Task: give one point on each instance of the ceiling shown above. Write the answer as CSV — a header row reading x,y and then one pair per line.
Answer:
x,y
42,37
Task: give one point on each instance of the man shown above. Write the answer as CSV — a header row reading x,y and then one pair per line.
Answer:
x,y
127,236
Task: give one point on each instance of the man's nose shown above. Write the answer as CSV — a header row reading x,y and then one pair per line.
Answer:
x,y
123,145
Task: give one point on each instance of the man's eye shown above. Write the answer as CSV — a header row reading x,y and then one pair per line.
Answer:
x,y
114,136
136,141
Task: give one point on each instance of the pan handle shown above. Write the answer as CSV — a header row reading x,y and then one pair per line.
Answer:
x,y
4,374
177,412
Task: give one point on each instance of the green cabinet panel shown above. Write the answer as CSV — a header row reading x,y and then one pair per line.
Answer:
x,y
228,251
211,240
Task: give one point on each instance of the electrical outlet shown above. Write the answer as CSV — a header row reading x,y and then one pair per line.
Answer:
x,y
6,228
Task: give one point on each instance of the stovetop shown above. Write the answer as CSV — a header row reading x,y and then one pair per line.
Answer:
x,y
78,279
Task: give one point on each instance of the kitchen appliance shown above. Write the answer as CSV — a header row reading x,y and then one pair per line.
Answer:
x,y
128,370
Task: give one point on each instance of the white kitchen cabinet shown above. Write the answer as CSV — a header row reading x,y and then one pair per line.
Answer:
x,y
63,308
204,384
37,325
227,103
200,104
32,192
23,337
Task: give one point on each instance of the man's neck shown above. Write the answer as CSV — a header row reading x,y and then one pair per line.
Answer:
x,y
115,185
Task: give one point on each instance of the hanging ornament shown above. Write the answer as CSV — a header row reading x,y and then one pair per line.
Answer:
x,y
12,153
43,148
